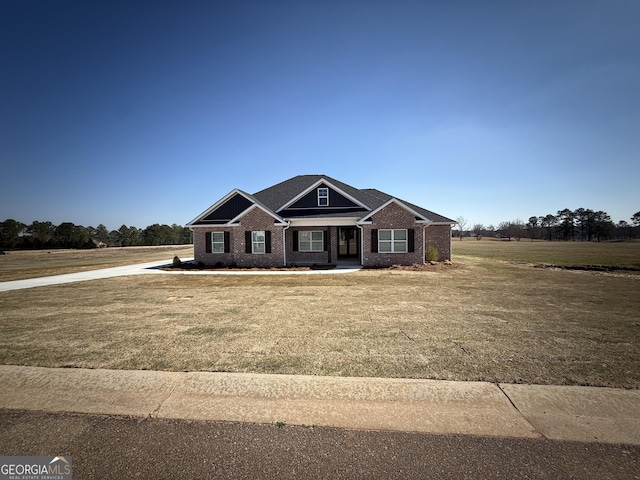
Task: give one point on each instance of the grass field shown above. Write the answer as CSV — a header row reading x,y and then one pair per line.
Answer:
x,y
18,265
480,319
616,254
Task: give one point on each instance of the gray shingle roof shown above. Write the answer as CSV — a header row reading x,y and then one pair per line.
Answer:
x,y
278,195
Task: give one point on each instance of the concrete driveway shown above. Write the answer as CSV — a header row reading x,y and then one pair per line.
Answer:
x,y
152,268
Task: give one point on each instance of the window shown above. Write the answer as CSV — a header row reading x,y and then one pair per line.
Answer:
x,y
258,242
217,242
323,197
392,241
311,241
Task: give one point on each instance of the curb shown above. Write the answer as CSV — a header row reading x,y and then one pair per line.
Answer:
x,y
586,414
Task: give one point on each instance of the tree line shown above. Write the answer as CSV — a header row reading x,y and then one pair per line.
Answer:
x,y
16,235
582,224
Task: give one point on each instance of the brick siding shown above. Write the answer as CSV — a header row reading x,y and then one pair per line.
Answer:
x,y
439,236
391,217
255,220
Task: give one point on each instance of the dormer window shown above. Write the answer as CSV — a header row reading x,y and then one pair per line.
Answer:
x,y
323,197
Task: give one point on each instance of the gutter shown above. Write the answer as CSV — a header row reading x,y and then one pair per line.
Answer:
x,y
424,244
361,244
284,242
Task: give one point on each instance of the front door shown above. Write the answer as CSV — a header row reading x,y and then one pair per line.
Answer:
x,y
348,242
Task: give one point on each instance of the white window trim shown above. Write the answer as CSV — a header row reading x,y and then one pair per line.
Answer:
x,y
323,196
393,240
254,242
311,249
213,242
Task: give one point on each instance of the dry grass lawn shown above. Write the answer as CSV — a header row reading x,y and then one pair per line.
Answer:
x,y
480,319
18,265
617,254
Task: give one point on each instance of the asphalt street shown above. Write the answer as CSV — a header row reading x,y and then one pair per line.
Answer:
x,y
122,447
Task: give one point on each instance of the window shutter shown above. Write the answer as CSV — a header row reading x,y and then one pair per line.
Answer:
x,y
227,242
247,241
295,241
207,242
411,240
325,237
267,241
374,241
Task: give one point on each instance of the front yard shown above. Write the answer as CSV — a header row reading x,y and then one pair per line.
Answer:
x,y
479,319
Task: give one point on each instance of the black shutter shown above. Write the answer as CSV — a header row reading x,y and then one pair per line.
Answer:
x,y
374,241
207,241
295,240
267,241
247,241
325,237
227,242
411,240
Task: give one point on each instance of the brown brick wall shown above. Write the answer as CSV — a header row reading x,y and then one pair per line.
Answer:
x,y
439,236
199,246
395,217
256,219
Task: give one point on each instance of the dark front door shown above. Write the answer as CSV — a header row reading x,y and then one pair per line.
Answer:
x,y
348,242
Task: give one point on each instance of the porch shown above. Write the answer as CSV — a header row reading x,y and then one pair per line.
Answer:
x,y
335,245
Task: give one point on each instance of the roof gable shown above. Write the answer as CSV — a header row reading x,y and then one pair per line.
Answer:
x,y
419,217
278,219
432,217
225,209
334,199
308,198
229,209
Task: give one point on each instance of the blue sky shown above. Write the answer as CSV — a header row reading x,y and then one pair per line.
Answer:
x,y
148,112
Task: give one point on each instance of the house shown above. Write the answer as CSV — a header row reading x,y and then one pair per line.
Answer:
x,y
315,219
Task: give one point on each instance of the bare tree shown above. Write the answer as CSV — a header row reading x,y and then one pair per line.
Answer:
x,y
478,228
517,229
462,222
504,229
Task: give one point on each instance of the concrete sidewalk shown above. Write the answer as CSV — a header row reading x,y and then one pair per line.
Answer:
x,y
587,414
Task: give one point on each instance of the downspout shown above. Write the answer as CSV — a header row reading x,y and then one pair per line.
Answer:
x,y
424,244
450,244
361,244
284,242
